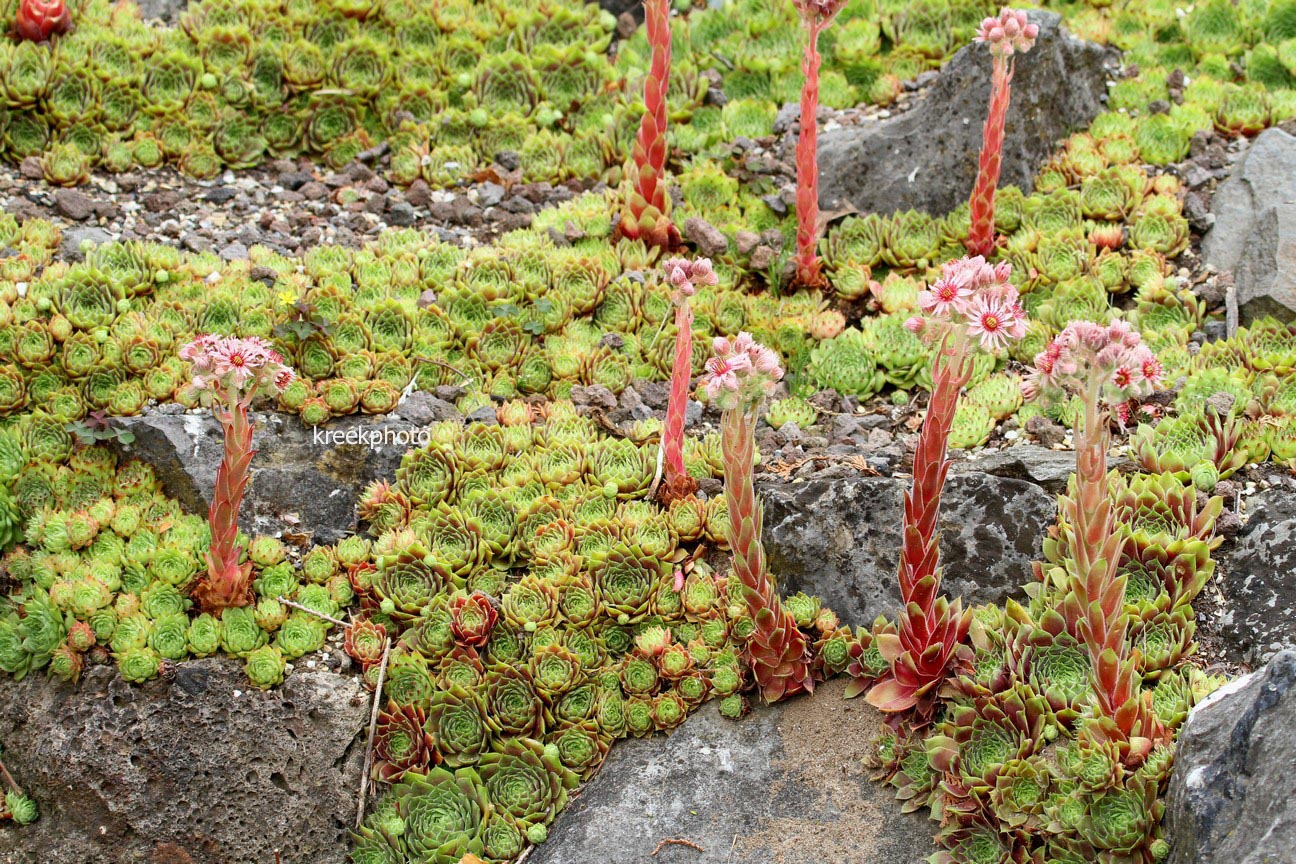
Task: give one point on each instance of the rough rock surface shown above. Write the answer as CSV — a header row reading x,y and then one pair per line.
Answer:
x,y
1255,228
840,539
168,11
184,771
1233,794
1040,465
300,476
783,786
926,158
1258,615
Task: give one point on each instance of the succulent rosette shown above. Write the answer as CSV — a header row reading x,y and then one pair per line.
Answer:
x,y
512,704
457,727
442,813
400,742
526,780
472,617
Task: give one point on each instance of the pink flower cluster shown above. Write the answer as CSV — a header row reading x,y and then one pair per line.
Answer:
x,y
977,295
684,276
1112,356
235,367
742,372
824,10
1008,34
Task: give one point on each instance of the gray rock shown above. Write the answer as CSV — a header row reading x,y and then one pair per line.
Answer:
x,y
926,157
490,194
70,245
184,770
422,408
840,539
234,252
709,239
783,785
73,204
1041,466
1255,228
163,10
400,214
1258,617
1232,794
309,478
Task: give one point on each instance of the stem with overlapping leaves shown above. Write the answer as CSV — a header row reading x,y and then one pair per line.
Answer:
x,y
778,651
645,209
1007,35
931,628
740,375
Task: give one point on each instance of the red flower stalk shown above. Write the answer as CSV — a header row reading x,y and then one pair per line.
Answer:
x,y
684,276
971,299
816,15
228,373
38,20
645,208
738,378
1105,366
1007,35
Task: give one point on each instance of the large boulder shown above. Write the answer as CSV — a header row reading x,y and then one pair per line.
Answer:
x,y
310,478
1232,796
840,539
1254,235
926,157
1257,617
195,770
783,785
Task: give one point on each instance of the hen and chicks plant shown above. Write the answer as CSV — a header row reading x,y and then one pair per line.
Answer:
x,y
973,301
1007,36
227,375
741,375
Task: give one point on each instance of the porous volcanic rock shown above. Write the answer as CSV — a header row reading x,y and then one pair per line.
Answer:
x,y
1255,578
783,786
196,770
926,157
840,539
1232,796
1254,234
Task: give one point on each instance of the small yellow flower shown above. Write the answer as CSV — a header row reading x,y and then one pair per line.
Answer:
x,y
287,298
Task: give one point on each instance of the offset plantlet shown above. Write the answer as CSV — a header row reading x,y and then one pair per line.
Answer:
x,y
38,20
684,277
971,301
227,374
645,208
738,379
1007,35
1104,366
816,15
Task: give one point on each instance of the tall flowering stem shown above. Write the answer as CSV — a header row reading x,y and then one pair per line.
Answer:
x,y
683,276
645,208
1007,35
816,15
971,303
227,374
739,377
1105,365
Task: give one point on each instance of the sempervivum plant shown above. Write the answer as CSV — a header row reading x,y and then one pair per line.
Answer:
x,y
971,301
645,210
815,16
739,378
1007,35
684,277
227,374
1104,366
38,20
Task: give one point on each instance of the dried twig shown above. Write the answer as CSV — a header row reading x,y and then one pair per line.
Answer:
x,y
310,611
9,779
525,855
657,474
373,724
677,841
